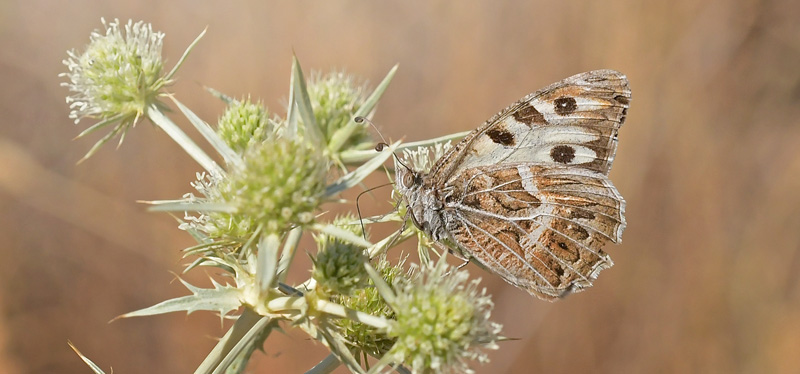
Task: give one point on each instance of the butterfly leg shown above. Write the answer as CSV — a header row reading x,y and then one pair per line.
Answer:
x,y
465,260
458,256
463,264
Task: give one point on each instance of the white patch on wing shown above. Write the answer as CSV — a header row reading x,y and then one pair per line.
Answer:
x,y
541,141
587,108
562,135
526,177
530,145
484,151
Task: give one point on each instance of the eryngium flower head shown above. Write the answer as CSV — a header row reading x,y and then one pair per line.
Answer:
x,y
423,158
281,185
339,265
441,321
335,98
362,337
118,76
244,124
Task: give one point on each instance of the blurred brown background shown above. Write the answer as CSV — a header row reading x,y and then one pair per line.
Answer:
x,y
706,281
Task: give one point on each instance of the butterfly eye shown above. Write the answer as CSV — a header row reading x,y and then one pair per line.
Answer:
x,y
408,180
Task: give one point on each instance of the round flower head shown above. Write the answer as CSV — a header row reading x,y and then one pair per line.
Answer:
x,y
244,124
359,335
222,227
339,265
118,76
335,98
423,158
441,320
280,185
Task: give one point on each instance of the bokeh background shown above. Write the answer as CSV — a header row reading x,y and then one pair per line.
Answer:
x,y
707,279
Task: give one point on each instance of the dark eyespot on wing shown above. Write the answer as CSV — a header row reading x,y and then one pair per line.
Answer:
x,y
501,136
528,115
562,154
565,105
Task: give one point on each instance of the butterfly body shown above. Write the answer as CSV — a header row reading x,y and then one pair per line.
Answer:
x,y
527,194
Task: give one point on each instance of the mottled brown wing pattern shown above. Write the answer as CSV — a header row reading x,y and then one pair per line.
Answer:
x,y
527,194
541,228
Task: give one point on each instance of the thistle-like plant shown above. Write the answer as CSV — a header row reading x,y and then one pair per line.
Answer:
x,y
249,214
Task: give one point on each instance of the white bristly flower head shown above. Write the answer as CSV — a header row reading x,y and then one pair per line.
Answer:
x,y
118,75
423,158
442,320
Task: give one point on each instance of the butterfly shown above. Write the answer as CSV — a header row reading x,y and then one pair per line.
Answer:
x,y
527,194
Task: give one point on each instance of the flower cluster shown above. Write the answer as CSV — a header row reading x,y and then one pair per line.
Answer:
x,y
363,337
281,184
252,212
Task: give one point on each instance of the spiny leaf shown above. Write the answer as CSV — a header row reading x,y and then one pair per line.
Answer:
x,y
96,369
340,233
356,176
302,103
338,138
211,136
222,299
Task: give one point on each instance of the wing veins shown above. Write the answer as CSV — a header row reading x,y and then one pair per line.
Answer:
x,y
497,240
465,208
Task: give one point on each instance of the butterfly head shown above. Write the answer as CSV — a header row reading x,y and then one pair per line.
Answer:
x,y
406,178
424,207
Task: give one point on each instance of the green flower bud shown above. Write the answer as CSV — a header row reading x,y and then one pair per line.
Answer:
x,y
339,266
441,321
244,124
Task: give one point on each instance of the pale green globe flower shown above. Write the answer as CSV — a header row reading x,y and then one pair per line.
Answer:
x,y
336,98
362,337
244,124
339,265
441,321
280,186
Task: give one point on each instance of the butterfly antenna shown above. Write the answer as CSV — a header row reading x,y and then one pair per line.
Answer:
x,y
360,119
358,208
382,145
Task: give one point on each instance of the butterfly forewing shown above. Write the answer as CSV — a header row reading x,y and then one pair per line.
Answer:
x,y
527,193
572,122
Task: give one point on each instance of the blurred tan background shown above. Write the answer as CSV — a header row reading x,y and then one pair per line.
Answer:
x,y
707,279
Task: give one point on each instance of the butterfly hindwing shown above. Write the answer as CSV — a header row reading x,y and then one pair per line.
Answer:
x,y
541,228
